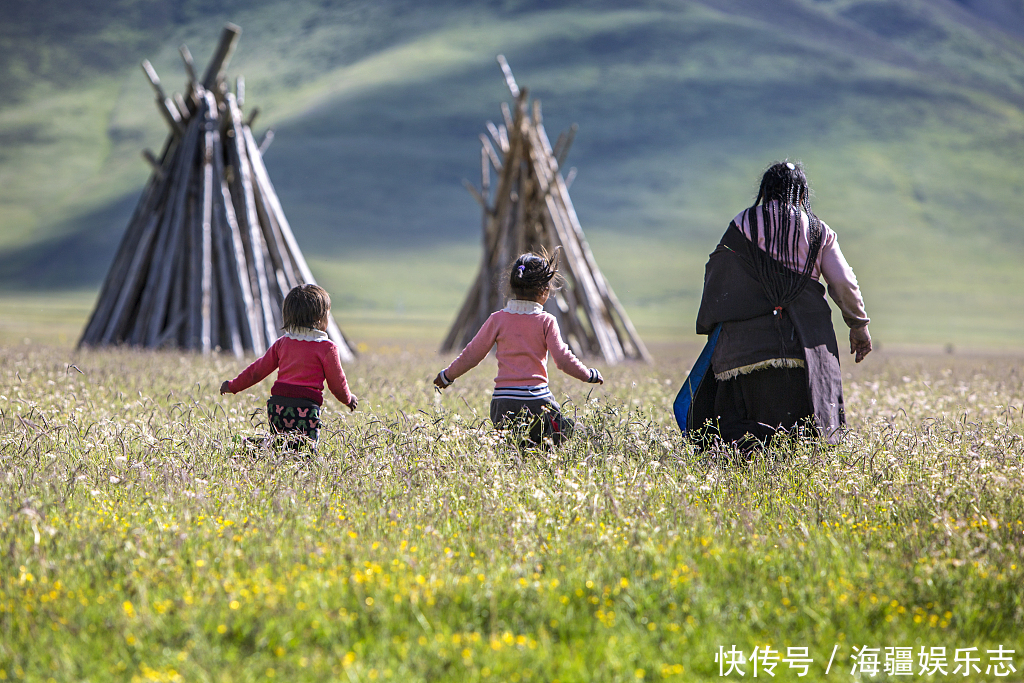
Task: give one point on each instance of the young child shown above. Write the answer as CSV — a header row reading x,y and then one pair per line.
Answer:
x,y
525,334
304,357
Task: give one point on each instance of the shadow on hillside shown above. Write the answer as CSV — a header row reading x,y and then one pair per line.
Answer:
x,y
77,258
676,118
373,174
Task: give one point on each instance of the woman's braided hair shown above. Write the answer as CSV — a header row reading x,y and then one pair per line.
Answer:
x,y
532,273
783,195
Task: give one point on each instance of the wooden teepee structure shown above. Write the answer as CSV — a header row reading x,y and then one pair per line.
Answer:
x,y
529,210
208,254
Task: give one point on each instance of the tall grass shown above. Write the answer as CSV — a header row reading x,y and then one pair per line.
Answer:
x,y
142,539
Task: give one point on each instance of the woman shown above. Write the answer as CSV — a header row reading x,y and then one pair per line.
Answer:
x,y
776,361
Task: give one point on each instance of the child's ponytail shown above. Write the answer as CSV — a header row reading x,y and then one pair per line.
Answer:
x,y
532,273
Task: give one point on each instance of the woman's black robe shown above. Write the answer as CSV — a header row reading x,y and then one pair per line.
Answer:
x,y
732,293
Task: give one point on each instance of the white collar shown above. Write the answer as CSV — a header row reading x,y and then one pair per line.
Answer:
x,y
305,334
522,306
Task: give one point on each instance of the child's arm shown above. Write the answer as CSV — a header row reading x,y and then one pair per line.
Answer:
x,y
475,351
253,374
566,360
336,381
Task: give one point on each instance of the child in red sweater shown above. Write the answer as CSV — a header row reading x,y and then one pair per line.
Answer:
x,y
525,334
304,357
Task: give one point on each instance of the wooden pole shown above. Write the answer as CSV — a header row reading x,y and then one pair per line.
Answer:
x,y
154,163
164,104
485,183
132,241
190,65
490,153
219,62
573,243
181,106
181,295
500,139
206,255
510,80
565,140
268,137
251,232
130,286
229,295
238,306
345,349
153,306
562,191
277,262
133,295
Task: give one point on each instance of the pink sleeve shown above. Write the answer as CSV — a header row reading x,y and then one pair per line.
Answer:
x,y
335,375
475,351
256,372
563,356
842,284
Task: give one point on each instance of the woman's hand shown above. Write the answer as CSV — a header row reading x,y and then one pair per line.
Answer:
x,y
353,404
860,342
224,388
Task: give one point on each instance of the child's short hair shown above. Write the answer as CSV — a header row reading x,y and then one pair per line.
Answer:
x,y
532,273
306,306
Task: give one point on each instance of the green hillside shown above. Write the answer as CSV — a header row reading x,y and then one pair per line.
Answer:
x,y
906,113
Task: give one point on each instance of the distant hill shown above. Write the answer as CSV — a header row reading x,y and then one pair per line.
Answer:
x,y
907,114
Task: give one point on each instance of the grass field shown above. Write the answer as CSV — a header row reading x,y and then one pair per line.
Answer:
x,y
141,541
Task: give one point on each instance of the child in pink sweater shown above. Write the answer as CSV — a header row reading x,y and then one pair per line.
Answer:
x,y
525,335
304,358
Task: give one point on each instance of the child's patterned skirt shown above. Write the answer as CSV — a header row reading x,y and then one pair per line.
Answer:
x,y
294,416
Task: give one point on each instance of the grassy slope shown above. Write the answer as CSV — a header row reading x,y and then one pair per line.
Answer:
x,y
906,115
